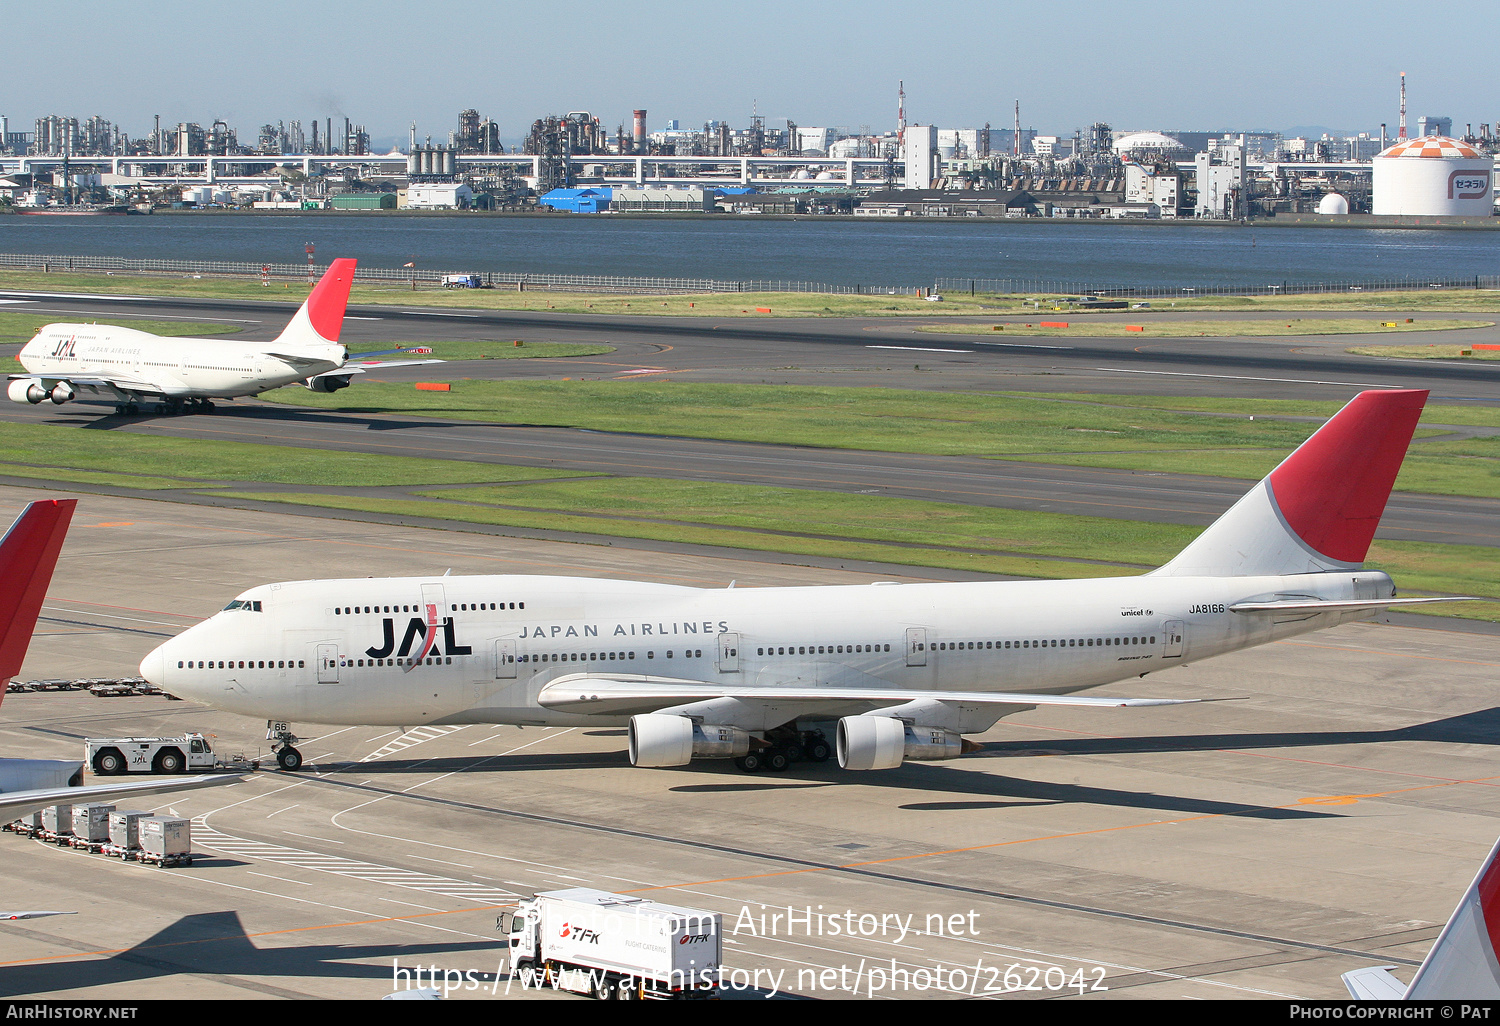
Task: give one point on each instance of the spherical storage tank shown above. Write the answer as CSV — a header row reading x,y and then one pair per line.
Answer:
x,y
1433,175
1333,203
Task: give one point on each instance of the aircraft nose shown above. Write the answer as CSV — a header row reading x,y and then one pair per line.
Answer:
x,y
154,666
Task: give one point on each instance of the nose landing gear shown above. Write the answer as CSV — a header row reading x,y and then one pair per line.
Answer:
x,y
287,756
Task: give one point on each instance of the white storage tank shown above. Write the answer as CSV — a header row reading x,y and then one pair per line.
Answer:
x,y
1333,203
1433,176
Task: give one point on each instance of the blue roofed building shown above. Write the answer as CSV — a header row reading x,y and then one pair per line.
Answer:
x,y
578,201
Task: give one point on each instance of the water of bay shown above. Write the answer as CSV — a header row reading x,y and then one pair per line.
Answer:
x,y
841,252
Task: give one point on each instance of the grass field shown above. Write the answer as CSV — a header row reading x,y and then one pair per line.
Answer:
x,y
1427,352
781,304
146,461
1212,329
1123,432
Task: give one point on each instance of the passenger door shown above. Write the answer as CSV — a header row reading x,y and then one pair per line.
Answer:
x,y
729,652
328,664
916,646
1175,639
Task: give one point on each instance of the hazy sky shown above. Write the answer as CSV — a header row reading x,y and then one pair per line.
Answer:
x,y
1169,64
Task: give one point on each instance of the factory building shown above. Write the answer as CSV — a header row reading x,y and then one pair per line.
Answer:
x,y
578,201
663,200
1159,185
920,158
1433,176
438,196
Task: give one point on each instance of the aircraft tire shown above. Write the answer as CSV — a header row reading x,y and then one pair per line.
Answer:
x,y
289,759
777,760
750,763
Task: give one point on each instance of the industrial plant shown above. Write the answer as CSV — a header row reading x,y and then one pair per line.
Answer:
x,y
575,163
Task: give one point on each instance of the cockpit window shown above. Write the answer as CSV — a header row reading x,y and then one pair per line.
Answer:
x,y
245,604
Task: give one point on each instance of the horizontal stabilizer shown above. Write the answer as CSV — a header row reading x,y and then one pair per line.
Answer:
x,y
391,363
630,695
1314,606
1374,984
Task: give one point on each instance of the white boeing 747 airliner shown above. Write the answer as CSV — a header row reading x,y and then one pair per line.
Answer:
x,y
127,367
765,675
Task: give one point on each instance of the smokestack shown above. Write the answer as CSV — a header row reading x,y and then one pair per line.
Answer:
x,y
640,131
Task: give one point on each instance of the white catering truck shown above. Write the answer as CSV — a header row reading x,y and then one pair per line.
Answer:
x,y
614,946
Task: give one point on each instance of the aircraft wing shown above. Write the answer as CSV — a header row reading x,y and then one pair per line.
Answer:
x,y
629,696
121,389
15,804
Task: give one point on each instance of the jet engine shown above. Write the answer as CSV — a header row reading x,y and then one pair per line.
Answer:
x,y
61,392
884,742
658,739
325,383
26,390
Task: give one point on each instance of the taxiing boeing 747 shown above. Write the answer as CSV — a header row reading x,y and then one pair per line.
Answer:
x,y
880,674
185,375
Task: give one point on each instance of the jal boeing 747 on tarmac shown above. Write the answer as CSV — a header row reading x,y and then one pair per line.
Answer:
x,y
769,675
185,375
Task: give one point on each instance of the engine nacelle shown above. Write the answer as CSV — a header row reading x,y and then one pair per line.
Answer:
x,y
883,742
326,384
61,392
657,740
871,742
932,744
711,742
24,390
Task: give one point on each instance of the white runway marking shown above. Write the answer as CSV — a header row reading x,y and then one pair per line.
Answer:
x,y
920,349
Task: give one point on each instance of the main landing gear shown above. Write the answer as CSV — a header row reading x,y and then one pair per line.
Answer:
x,y
287,756
168,408
784,746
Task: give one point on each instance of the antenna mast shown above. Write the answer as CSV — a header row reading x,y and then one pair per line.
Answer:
x,y
1016,139
900,112
1402,133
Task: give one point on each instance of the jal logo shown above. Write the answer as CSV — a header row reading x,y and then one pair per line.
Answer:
x,y
66,348
1469,185
579,934
416,637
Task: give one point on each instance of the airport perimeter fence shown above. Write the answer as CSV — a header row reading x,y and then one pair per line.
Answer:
x,y
521,282
511,281
1017,286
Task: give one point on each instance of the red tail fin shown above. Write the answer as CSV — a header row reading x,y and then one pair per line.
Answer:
x,y
28,555
1319,508
329,299
1333,489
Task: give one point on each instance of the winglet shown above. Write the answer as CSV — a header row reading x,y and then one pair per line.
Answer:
x,y
28,555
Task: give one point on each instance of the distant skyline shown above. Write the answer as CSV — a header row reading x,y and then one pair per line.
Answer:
x,y
1166,65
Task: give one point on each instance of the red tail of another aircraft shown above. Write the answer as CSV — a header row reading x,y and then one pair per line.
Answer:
x,y
28,555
